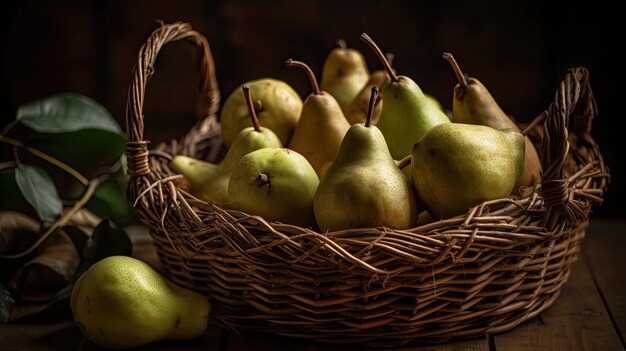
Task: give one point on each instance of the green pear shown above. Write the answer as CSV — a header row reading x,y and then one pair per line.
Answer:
x,y
473,104
121,302
321,127
277,184
433,100
215,186
456,166
344,74
407,113
197,172
357,111
364,187
277,105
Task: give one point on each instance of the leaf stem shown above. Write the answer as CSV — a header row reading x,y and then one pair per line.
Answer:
x,y
46,157
8,127
91,188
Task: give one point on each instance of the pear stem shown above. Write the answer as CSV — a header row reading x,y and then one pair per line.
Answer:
x,y
370,108
381,56
457,70
253,116
390,56
262,179
342,44
309,72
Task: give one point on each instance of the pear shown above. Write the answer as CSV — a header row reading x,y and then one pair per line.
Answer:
x,y
215,186
357,111
277,105
344,74
121,302
275,183
407,114
474,104
197,172
364,187
457,166
321,127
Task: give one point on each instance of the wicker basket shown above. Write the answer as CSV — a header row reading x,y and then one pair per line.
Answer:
x,y
486,271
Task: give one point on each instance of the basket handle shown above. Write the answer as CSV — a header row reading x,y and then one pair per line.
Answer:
x,y
136,147
574,98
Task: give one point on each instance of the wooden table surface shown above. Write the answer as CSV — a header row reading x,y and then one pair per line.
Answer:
x,y
590,314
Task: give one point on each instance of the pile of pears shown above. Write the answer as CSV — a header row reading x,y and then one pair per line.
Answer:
x,y
362,150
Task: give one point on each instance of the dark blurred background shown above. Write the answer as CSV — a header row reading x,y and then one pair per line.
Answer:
x,y
519,50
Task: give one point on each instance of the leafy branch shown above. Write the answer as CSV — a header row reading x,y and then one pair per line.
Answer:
x,y
78,136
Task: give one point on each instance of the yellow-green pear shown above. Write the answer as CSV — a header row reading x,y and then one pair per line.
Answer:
x,y
197,172
357,111
456,166
344,74
277,105
407,114
364,187
277,184
473,104
321,127
121,302
215,186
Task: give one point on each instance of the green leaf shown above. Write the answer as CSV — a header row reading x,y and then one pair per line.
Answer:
x,y
104,242
11,198
6,304
40,192
109,201
64,113
82,150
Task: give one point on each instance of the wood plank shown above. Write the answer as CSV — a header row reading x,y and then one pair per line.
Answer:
x,y
576,321
603,249
64,335
266,342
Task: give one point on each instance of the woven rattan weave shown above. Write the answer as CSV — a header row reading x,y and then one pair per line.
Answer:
x,y
486,271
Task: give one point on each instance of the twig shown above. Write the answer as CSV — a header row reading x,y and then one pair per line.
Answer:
x,y
91,188
46,157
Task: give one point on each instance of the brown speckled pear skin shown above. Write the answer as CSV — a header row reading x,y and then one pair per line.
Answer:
x,y
357,111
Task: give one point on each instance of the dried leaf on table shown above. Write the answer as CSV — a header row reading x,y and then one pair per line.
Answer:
x,y
55,265
17,232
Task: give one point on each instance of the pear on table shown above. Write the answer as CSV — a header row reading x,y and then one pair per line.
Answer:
x,y
364,187
473,104
121,302
344,74
215,186
407,114
457,166
277,105
321,127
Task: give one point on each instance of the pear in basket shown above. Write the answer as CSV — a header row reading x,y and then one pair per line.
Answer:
x,y
275,183
457,166
214,186
474,104
357,111
344,74
364,187
321,127
121,302
277,105
407,113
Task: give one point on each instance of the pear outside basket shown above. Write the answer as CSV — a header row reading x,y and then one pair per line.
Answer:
x,y
486,271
